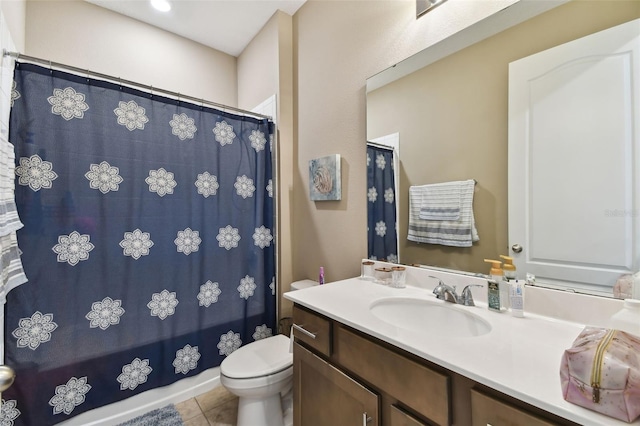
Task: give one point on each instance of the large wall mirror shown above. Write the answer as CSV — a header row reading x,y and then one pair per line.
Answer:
x,y
451,117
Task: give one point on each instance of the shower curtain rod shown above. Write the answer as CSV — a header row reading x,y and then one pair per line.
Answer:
x,y
380,145
179,96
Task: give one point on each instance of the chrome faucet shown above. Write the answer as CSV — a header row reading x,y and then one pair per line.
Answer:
x,y
448,293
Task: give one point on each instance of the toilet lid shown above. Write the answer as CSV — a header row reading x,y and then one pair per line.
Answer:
x,y
259,358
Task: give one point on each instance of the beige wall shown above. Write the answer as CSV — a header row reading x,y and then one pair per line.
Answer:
x,y
452,120
87,36
338,45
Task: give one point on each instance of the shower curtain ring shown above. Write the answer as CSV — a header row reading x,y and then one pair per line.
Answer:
x,y
50,68
151,93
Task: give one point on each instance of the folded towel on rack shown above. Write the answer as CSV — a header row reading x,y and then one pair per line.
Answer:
x,y
457,233
440,201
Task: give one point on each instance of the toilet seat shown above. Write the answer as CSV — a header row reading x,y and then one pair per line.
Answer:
x,y
258,359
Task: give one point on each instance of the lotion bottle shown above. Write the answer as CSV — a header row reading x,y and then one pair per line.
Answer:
x,y
321,276
495,296
516,292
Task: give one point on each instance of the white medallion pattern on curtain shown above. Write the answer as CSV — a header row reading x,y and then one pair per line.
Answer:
x,y
258,141
70,395
131,115
381,162
163,304
224,133
229,342
389,195
8,412
161,182
104,177
187,241
15,95
372,194
31,332
35,173
244,186
136,244
105,313
228,237
262,237
262,332
272,286
182,126
134,374
186,359
207,184
208,294
381,228
68,103
246,287
73,248
270,188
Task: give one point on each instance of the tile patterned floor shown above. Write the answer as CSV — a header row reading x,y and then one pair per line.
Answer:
x,y
217,407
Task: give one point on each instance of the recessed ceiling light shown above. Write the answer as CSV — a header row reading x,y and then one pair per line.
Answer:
x,y
161,5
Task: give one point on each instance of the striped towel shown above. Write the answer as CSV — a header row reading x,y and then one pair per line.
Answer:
x,y
457,233
440,201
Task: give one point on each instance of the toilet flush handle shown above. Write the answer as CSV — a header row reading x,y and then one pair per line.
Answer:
x,y
303,331
365,419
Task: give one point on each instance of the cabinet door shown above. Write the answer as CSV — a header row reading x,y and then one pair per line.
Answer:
x,y
488,411
323,395
401,418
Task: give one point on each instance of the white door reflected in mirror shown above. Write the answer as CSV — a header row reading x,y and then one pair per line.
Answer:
x,y
573,160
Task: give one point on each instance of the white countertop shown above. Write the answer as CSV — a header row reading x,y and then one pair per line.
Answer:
x,y
519,356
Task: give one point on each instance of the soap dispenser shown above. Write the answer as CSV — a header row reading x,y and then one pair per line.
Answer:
x,y
495,298
508,267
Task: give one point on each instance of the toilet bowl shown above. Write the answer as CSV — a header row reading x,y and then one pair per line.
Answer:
x,y
258,373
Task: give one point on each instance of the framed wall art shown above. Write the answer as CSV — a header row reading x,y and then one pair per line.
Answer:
x,y
324,178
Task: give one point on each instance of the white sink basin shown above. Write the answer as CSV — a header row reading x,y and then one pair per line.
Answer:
x,y
433,318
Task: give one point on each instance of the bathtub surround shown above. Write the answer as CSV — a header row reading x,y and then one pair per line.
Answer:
x,y
147,241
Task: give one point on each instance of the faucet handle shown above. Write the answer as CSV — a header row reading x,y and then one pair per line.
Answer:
x,y
466,297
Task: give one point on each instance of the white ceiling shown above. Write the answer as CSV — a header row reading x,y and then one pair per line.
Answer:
x,y
225,25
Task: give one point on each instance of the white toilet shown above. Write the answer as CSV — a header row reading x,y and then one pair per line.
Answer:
x,y
258,373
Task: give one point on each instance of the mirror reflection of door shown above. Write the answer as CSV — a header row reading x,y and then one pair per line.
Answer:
x,y
574,130
382,210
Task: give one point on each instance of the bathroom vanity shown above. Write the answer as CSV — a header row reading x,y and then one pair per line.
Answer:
x,y
369,354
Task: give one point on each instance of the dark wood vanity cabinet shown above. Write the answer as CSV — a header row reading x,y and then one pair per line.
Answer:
x,y
345,377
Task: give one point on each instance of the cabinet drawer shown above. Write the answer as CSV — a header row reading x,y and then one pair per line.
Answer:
x,y
420,388
488,411
400,418
312,329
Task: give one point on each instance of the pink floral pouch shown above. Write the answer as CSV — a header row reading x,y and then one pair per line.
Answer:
x,y
601,372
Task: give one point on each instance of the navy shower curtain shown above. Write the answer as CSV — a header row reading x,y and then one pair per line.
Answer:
x,y
381,212
148,242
